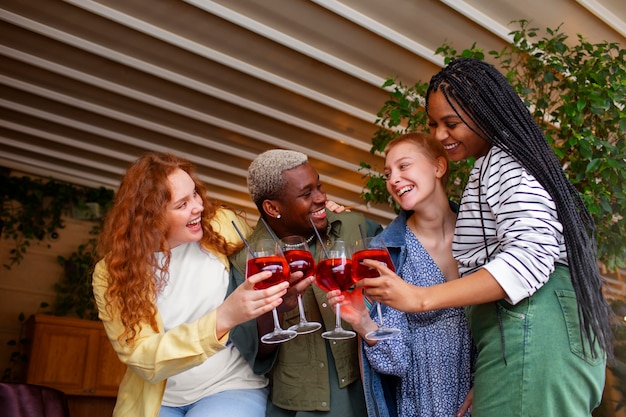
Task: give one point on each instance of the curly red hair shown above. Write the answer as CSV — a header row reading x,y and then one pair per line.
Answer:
x,y
136,228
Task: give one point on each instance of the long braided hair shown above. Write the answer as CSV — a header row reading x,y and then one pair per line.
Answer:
x,y
497,114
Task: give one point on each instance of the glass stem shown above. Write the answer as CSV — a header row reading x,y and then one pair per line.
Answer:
x,y
301,308
276,322
337,316
380,314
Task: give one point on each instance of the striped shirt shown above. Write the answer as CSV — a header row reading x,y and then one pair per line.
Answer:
x,y
508,224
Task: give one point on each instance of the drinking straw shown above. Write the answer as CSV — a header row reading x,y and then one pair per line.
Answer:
x,y
273,235
244,239
362,233
319,238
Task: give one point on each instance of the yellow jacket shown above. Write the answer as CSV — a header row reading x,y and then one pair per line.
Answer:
x,y
154,356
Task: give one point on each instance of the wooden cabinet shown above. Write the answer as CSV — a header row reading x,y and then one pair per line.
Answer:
x,y
72,355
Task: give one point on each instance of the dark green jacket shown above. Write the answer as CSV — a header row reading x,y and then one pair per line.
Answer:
x,y
299,370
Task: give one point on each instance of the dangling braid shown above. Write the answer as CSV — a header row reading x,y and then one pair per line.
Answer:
x,y
478,90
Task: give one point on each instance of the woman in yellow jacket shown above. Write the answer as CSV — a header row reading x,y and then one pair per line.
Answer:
x,y
162,293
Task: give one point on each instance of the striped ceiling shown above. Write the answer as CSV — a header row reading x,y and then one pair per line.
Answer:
x,y
87,86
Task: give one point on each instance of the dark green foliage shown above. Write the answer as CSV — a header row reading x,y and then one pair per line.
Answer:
x,y
18,359
74,290
33,209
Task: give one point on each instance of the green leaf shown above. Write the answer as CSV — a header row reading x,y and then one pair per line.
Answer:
x,y
585,149
593,165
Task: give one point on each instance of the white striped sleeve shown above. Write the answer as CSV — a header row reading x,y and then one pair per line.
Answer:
x,y
523,234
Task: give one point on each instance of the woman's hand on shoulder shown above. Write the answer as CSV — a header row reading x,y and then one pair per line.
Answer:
x,y
335,207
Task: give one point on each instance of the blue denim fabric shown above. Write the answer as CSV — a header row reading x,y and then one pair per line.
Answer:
x,y
231,403
393,236
380,390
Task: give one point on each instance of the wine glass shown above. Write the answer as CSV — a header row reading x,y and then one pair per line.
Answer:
x,y
265,255
364,249
334,272
299,258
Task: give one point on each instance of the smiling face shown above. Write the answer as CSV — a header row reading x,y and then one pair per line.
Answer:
x,y
184,210
448,128
411,176
303,198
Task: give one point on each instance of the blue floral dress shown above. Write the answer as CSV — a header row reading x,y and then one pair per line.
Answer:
x,y
433,356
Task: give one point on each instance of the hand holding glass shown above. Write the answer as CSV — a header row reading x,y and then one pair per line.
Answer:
x,y
364,249
300,258
334,272
265,255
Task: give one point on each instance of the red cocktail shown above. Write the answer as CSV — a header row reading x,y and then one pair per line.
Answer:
x,y
299,257
266,255
334,274
276,264
364,249
300,260
360,271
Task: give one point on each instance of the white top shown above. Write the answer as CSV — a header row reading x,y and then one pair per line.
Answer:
x,y
197,284
520,225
